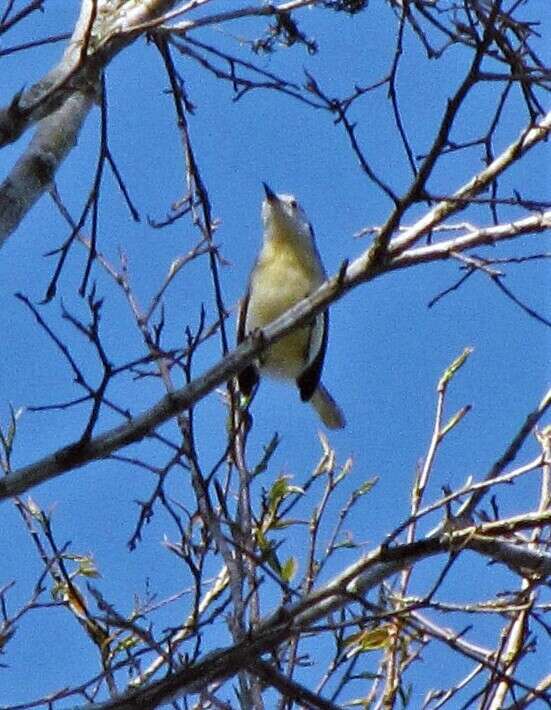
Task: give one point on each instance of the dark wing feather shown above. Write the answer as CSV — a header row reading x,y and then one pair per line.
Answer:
x,y
309,378
247,378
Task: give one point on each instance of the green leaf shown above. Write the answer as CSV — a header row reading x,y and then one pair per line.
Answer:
x,y
453,368
269,451
6,440
281,488
454,420
86,566
288,569
125,645
369,640
346,543
366,487
343,473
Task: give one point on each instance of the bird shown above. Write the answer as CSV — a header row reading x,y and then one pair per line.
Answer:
x,y
288,269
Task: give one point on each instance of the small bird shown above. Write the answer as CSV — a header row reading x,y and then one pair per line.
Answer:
x,y
287,270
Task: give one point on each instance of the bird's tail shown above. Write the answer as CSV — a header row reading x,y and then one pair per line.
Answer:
x,y
329,411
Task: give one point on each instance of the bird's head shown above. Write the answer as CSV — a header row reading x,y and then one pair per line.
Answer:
x,y
283,212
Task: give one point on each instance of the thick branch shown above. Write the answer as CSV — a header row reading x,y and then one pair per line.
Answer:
x,y
34,171
61,101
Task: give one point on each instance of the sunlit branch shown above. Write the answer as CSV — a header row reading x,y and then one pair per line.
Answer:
x,y
359,271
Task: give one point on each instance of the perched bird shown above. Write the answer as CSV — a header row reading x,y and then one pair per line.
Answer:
x,y
287,270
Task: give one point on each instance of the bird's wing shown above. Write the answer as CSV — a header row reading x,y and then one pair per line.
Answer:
x,y
247,378
310,376
242,317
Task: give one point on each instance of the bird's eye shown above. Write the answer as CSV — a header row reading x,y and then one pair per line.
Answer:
x,y
293,204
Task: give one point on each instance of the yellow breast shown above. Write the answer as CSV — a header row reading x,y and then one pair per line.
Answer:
x,y
283,276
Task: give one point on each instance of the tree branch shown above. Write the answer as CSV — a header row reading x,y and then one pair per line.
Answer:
x,y
352,584
361,270
62,99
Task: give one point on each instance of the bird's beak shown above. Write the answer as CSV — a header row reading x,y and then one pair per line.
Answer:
x,y
270,194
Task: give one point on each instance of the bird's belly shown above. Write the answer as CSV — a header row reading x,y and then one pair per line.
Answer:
x,y
275,291
286,358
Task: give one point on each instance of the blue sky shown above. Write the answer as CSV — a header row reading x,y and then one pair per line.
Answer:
x,y
387,349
